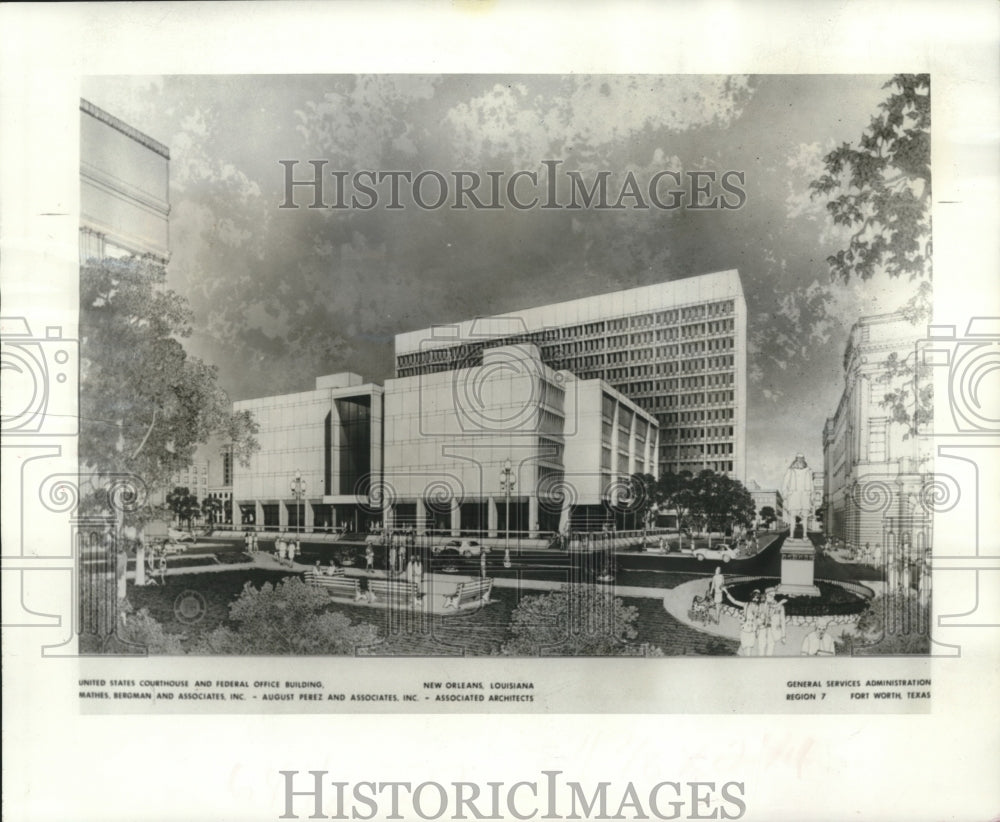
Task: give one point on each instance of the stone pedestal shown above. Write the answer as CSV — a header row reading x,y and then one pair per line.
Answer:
x,y
797,560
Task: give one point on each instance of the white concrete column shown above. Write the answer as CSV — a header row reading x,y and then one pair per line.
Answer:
x,y
283,515
533,515
309,515
491,516
421,524
456,518
140,563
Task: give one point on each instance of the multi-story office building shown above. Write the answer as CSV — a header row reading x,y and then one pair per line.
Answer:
x,y
320,452
677,350
509,444
874,464
570,446
124,199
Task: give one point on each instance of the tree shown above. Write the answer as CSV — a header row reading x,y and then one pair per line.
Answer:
x,y
767,516
577,620
887,178
881,190
183,504
211,509
717,501
288,618
674,491
145,405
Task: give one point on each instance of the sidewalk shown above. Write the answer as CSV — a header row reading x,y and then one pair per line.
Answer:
x,y
677,602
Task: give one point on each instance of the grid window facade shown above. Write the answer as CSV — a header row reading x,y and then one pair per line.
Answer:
x,y
682,359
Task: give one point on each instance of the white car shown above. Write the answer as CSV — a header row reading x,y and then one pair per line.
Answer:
x,y
176,535
717,552
465,547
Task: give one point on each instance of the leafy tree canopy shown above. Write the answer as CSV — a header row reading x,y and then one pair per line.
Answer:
x,y
183,504
145,405
881,188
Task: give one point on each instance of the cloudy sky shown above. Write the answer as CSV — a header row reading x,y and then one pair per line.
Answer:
x,y
281,295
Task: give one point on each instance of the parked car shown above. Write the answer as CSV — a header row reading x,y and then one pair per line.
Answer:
x,y
176,535
465,547
721,552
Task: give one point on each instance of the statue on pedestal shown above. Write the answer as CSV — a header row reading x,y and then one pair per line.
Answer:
x,y
797,491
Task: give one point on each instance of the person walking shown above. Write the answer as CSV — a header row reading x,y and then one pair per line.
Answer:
x,y
751,620
369,558
418,575
716,587
772,624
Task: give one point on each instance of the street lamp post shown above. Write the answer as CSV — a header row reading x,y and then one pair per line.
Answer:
x,y
507,483
299,492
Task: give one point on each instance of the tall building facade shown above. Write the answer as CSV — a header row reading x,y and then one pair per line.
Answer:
x,y
676,349
124,196
512,441
875,465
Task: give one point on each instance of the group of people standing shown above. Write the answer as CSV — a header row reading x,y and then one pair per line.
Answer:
x,y
250,543
287,549
763,624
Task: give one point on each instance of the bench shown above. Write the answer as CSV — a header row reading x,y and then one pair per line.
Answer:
x,y
338,585
477,591
392,589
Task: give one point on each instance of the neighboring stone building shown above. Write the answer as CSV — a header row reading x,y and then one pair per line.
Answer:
x,y
875,467
767,498
124,181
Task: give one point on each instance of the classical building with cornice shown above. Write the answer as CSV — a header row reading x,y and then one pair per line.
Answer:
x,y
876,463
124,197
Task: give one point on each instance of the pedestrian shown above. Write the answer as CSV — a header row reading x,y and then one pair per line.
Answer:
x,y
409,570
772,624
818,642
279,546
716,587
418,575
751,620
369,558
924,584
